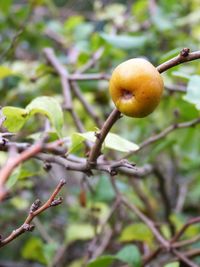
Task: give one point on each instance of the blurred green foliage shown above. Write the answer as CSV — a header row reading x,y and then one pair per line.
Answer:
x,y
76,30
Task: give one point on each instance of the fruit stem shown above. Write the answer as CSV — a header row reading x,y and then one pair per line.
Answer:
x,y
100,136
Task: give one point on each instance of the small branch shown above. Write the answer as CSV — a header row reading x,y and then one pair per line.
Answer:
x,y
164,133
151,256
12,163
34,211
186,242
184,258
88,76
147,221
168,130
164,196
89,109
62,72
184,56
81,165
100,137
184,228
92,61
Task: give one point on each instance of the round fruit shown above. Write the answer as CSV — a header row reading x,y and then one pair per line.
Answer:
x,y
136,87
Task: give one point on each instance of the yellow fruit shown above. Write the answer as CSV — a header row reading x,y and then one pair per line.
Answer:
x,y
136,87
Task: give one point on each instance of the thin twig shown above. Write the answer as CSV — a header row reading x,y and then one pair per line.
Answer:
x,y
100,137
147,221
62,72
86,105
184,258
164,133
34,211
184,56
184,228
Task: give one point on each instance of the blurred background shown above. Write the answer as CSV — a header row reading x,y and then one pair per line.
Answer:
x,y
111,31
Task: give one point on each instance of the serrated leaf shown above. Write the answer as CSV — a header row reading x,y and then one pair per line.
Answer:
x,y
193,91
131,255
137,232
5,72
15,118
124,41
50,107
113,141
103,261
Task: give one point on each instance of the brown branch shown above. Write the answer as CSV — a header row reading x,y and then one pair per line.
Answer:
x,y
92,61
184,258
164,133
151,256
100,137
184,56
89,109
34,211
147,221
168,130
13,162
80,165
88,76
62,72
162,189
184,228
186,242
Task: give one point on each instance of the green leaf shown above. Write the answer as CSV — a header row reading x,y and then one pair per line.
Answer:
x,y
5,6
182,75
124,41
103,261
113,141
137,232
80,232
33,250
172,264
5,71
76,142
50,107
193,92
13,177
104,190
15,118
118,143
27,169
161,21
49,251
131,255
